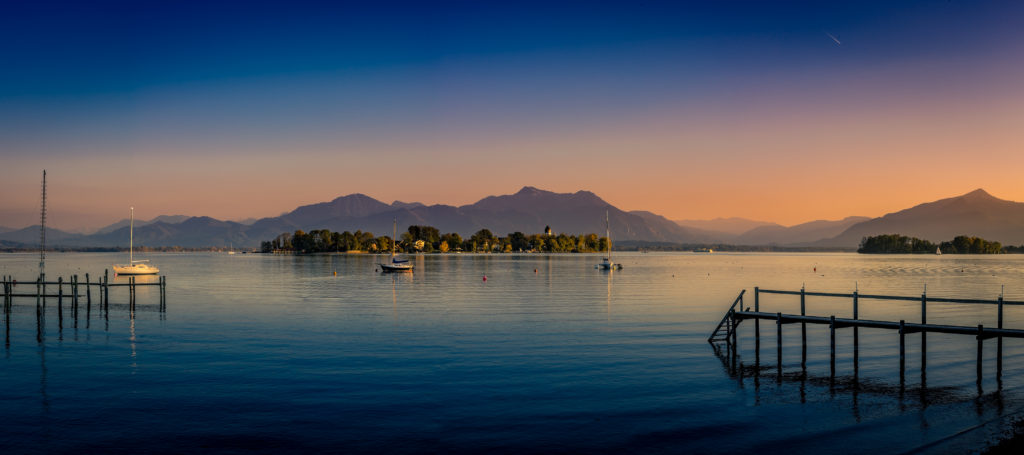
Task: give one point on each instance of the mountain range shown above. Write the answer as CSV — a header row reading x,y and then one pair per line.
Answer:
x,y
530,210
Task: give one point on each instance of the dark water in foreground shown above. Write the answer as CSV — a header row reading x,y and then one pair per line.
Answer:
x,y
276,354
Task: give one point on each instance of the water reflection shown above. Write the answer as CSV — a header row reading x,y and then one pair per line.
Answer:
x,y
847,384
611,274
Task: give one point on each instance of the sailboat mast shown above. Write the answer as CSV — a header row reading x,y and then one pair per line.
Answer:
x,y
131,235
42,234
608,234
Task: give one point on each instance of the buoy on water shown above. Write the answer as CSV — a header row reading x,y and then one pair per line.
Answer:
x,y
485,277
534,270
335,273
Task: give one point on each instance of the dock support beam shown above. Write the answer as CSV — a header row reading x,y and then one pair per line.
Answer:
x,y
832,351
778,330
981,341
803,330
999,345
903,358
757,308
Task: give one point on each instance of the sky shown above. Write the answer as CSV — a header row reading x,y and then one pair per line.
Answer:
x,y
693,110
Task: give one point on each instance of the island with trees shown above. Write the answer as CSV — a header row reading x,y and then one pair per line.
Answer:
x,y
962,244
427,239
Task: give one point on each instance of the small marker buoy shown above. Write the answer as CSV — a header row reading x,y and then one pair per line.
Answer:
x,y
335,273
534,270
485,277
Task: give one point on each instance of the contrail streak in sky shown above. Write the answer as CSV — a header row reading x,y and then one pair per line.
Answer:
x,y
833,38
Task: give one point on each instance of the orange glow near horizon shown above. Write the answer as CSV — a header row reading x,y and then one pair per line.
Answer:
x,y
760,118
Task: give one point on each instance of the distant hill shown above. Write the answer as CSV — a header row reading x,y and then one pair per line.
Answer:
x,y
798,234
529,210
4,229
194,232
30,236
733,225
976,214
170,219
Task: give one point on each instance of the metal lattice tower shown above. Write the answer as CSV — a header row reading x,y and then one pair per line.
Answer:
x,y
42,233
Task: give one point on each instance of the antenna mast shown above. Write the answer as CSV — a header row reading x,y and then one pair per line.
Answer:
x,y
42,233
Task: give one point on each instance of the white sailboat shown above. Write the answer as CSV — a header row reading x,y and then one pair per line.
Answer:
x,y
607,263
134,267
396,265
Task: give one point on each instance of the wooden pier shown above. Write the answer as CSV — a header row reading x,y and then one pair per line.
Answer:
x,y
74,291
727,329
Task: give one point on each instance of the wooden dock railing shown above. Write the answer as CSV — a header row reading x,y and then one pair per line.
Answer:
x,y
726,330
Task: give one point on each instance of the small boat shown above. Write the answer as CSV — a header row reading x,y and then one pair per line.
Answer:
x,y
396,264
607,263
703,250
938,250
134,267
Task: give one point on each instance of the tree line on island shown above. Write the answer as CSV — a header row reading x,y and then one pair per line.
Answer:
x,y
427,239
961,244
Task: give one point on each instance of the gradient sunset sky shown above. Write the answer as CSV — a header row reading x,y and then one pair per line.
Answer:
x,y
689,110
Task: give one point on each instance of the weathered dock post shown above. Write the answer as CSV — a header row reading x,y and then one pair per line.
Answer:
x,y
74,290
778,330
924,305
832,351
999,344
60,300
981,341
803,330
757,322
924,333
163,293
131,289
903,358
106,291
88,293
856,337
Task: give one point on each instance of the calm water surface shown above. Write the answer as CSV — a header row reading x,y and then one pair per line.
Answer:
x,y
278,354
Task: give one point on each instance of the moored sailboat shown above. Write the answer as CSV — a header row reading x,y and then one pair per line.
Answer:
x,y
607,263
396,264
134,267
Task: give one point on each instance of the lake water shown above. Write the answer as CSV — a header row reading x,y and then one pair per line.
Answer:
x,y
259,353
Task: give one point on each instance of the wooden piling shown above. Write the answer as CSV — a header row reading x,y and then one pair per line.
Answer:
x,y
855,295
999,343
803,329
106,291
903,358
832,351
924,308
757,322
981,341
778,325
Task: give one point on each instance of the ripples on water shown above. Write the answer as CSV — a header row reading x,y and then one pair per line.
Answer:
x,y
277,354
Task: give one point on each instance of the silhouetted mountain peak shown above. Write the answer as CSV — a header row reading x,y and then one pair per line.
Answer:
x,y
352,197
979,194
531,191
